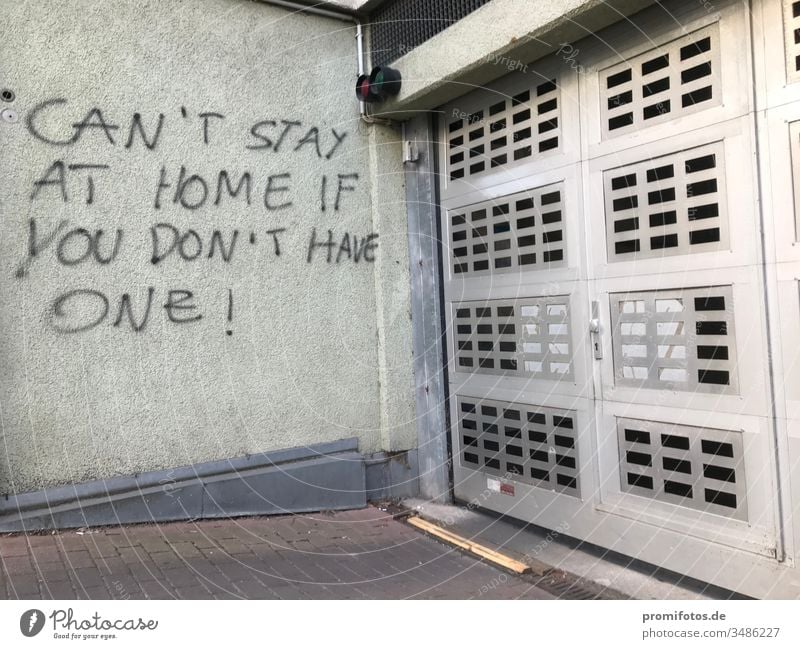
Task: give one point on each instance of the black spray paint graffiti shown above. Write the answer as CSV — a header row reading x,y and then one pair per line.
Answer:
x,y
230,311
73,247
193,191
78,245
277,136
90,183
189,244
56,177
80,310
364,249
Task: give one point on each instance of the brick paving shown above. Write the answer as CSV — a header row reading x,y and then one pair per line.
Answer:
x,y
363,554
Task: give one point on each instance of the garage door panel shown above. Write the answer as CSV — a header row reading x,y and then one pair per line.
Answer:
x,y
526,230
518,126
713,346
650,337
541,451
527,443
778,19
505,237
680,79
683,203
678,340
707,475
781,129
527,337
527,341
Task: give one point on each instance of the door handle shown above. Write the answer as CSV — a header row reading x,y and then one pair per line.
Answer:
x,y
594,329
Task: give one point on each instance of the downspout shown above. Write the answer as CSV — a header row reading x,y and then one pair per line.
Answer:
x,y
328,11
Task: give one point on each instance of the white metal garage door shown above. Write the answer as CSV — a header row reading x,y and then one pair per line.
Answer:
x,y
605,290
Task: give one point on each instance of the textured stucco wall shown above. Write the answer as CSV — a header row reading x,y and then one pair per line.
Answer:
x,y
392,290
306,353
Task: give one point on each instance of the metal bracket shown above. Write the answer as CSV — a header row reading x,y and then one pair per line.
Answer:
x,y
410,152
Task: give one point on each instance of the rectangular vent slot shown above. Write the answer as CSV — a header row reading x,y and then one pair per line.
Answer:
x,y
525,337
675,340
667,82
700,468
531,444
673,205
523,231
504,131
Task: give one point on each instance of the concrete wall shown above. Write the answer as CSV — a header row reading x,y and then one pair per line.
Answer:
x,y
242,349
467,54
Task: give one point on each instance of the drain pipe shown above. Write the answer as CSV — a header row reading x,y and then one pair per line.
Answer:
x,y
327,11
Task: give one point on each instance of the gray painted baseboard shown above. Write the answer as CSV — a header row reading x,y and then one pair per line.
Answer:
x,y
322,477
392,475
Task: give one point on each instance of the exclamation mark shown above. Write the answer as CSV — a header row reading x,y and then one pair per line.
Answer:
x,y
230,310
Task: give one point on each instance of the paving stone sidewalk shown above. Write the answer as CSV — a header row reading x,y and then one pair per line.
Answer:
x,y
363,554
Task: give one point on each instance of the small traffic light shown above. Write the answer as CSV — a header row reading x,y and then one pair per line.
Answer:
x,y
379,84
